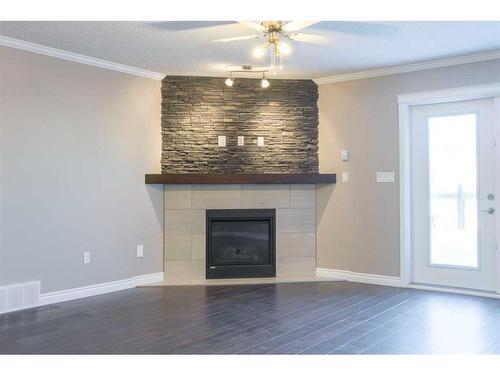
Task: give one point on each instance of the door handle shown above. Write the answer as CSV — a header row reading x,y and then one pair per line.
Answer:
x,y
490,210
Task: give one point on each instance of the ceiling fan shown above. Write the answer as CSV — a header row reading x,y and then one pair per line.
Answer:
x,y
273,33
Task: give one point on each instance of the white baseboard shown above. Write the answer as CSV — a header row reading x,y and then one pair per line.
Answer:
x,y
96,289
85,291
444,289
358,277
395,282
149,278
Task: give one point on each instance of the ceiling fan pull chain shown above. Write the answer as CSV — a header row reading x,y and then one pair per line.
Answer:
x,y
273,60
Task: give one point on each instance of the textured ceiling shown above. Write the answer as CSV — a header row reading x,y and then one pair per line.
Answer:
x,y
188,47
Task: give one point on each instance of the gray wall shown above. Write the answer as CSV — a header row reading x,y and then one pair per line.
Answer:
x,y
75,143
358,222
195,110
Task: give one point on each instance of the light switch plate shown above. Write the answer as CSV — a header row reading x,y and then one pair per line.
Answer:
x,y
221,140
140,251
385,176
345,177
86,257
344,155
260,141
241,140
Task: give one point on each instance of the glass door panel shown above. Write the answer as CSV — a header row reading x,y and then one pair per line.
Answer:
x,y
453,190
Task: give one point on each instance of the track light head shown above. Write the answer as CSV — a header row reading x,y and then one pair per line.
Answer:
x,y
229,82
264,83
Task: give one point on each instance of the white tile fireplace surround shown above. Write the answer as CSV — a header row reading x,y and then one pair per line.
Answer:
x,y
184,237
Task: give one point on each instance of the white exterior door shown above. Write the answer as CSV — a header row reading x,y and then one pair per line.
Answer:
x,y
453,194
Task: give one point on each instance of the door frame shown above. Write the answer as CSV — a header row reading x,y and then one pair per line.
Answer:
x,y
405,102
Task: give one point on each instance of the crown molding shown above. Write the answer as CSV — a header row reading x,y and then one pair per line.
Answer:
x,y
105,64
398,69
75,57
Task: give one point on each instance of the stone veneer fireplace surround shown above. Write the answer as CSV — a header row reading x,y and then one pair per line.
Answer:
x,y
197,110
185,226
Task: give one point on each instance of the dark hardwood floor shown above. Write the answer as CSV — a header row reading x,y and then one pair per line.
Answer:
x,y
334,317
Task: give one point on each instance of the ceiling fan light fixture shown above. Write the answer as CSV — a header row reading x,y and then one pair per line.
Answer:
x,y
259,52
274,34
284,48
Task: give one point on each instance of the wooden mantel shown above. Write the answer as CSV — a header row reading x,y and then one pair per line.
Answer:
x,y
264,178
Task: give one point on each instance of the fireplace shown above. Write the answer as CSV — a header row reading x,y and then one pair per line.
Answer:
x,y
240,243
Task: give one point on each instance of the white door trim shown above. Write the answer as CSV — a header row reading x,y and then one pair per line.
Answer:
x,y
405,102
455,94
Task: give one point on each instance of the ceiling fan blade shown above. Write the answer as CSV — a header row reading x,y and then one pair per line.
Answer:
x,y
298,25
310,38
236,38
253,25
188,25
370,29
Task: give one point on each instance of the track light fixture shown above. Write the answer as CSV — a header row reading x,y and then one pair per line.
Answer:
x,y
247,69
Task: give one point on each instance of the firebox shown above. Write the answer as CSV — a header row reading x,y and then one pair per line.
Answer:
x,y
240,243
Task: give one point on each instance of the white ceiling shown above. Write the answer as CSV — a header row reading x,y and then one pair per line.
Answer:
x,y
187,47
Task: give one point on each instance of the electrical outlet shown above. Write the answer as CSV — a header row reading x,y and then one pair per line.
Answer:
x,y
86,257
140,251
241,140
260,141
221,141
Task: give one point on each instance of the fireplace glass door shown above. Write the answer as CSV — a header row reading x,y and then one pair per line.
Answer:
x,y
240,243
